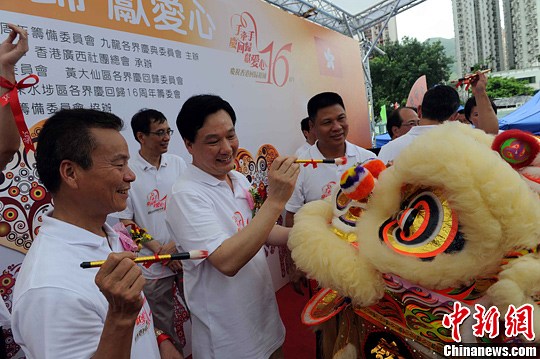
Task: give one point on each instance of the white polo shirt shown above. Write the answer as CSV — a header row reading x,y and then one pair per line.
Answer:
x,y
147,202
5,316
58,310
232,317
317,183
302,149
393,148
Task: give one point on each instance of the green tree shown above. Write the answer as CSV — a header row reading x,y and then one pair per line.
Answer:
x,y
394,74
500,87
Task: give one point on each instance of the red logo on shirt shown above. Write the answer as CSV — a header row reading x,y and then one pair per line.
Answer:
x,y
327,189
239,220
144,319
155,203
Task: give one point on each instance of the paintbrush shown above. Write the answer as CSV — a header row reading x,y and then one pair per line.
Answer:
x,y
338,161
196,254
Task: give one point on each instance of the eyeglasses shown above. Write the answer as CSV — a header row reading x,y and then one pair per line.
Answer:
x,y
410,123
162,133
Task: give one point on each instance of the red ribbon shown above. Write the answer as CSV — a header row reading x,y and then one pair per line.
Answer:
x,y
148,264
12,98
311,162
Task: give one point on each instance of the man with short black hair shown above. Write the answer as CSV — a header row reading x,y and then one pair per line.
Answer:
x,y
156,172
328,120
309,135
59,309
400,121
439,104
472,111
230,293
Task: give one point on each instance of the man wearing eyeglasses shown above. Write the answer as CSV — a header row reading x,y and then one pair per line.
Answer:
x,y
400,121
156,172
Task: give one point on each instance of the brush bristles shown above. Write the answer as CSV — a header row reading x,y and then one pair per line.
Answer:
x,y
198,254
341,161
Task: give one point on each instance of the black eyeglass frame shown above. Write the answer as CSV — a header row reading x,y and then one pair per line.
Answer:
x,y
162,133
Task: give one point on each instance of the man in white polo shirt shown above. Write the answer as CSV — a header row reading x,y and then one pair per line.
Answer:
x,y
329,121
309,135
156,172
59,309
230,293
440,104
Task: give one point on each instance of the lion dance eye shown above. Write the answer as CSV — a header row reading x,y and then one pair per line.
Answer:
x,y
425,227
405,220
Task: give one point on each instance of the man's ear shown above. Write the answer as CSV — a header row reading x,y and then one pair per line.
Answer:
x,y
312,125
393,129
140,136
453,117
189,146
69,173
419,111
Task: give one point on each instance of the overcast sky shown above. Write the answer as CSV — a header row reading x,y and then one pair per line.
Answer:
x,y
432,18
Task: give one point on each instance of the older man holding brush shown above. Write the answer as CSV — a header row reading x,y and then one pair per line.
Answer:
x,y
59,309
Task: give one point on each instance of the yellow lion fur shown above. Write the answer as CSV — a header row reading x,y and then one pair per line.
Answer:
x,y
496,209
518,282
333,262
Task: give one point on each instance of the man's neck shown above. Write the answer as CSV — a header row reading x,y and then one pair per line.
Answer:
x,y
332,152
428,122
153,159
74,214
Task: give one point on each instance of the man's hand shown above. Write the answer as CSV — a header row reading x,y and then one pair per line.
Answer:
x,y
479,83
170,248
240,248
121,282
487,118
10,53
167,350
282,179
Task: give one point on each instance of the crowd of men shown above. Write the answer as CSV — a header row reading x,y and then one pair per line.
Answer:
x,y
123,310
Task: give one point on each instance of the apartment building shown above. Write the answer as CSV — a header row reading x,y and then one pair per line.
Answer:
x,y
478,34
522,27
389,34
